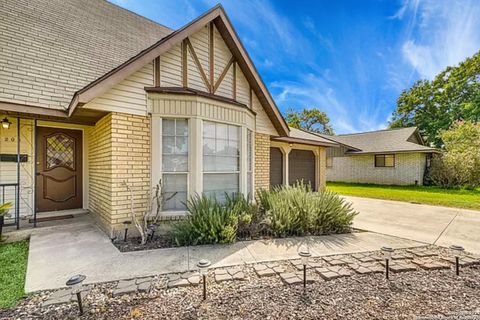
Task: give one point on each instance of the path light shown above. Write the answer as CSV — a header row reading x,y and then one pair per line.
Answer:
x,y
458,251
304,255
75,283
203,269
5,123
126,224
387,253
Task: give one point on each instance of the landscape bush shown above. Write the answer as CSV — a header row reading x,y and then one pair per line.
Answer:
x,y
297,210
279,212
459,165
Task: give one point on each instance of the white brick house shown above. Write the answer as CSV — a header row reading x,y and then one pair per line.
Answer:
x,y
395,156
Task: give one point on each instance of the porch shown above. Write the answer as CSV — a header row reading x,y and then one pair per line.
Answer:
x,y
43,171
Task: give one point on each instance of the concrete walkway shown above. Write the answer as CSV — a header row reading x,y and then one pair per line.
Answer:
x,y
431,224
80,247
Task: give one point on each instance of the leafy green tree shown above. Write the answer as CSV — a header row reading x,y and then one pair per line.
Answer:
x,y
435,105
313,120
459,166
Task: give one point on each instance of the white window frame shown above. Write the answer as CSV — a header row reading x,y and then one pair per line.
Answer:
x,y
195,155
240,170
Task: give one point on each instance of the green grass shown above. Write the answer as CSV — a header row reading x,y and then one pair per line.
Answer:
x,y
13,267
456,198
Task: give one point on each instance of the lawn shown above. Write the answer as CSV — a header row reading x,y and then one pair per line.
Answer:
x,y
456,198
13,267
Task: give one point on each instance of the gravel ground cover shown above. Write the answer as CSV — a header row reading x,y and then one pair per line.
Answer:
x,y
407,295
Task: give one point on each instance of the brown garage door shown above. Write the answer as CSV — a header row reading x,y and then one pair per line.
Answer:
x,y
276,167
301,166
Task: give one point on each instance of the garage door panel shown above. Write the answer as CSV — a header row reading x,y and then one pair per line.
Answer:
x,y
276,167
301,166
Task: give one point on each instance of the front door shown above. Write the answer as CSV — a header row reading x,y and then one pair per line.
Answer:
x,y
59,169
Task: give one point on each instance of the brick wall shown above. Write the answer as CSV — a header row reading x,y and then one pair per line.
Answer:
x,y
262,161
361,169
119,151
100,171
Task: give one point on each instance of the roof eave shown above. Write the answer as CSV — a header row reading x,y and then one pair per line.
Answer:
x,y
304,141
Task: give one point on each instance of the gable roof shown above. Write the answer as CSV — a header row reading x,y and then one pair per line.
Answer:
x,y
53,48
86,47
382,141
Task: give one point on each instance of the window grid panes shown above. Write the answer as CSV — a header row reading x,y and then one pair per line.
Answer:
x,y
221,159
175,163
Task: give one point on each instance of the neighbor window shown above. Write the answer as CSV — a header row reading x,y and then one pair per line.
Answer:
x,y
221,157
175,163
249,163
384,160
329,162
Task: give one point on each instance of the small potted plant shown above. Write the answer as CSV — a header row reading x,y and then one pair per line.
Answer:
x,y
3,211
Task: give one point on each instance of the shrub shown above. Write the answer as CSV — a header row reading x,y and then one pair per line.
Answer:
x,y
210,221
281,211
296,210
459,166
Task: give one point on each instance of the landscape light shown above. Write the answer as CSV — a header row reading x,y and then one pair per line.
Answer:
x,y
387,254
458,251
304,255
203,269
126,224
75,283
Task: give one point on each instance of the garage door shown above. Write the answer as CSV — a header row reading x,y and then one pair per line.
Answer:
x,y
276,167
301,166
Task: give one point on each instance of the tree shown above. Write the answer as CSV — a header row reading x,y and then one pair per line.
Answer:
x,y
312,120
459,166
434,106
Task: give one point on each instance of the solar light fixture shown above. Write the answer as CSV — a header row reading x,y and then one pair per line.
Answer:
x,y
203,270
387,254
458,251
75,283
6,123
304,254
126,223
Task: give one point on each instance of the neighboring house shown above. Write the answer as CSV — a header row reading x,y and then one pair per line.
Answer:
x,y
394,156
94,96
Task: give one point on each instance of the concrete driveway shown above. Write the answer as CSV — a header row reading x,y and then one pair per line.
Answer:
x,y
430,224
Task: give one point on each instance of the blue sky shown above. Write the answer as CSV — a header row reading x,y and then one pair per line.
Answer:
x,y
350,59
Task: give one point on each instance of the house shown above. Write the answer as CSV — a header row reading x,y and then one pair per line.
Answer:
x,y
393,156
93,96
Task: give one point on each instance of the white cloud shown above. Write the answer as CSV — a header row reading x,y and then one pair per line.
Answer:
x,y
439,33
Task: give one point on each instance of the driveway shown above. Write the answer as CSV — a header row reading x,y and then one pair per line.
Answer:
x,y
430,224
56,253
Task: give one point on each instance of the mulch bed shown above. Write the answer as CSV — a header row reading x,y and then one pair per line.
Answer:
x,y
407,295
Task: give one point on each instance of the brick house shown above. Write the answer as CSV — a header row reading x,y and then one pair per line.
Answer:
x,y
394,156
93,95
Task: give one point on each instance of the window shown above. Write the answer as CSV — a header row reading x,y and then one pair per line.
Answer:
x,y
384,160
175,163
329,162
60,151
221,157
249,164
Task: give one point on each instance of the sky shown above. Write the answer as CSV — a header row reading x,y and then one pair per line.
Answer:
x,y
350,59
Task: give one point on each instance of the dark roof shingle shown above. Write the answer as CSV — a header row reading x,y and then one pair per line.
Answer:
x,y
381,141
53,48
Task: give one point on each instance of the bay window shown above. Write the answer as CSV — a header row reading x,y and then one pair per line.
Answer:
x,y
175,163
221,159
